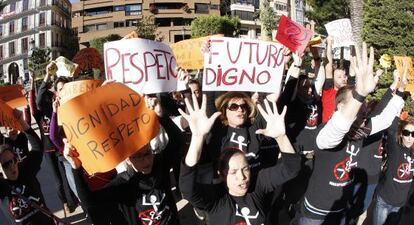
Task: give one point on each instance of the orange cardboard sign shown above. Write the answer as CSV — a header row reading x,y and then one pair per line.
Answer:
x,y
72,89
188,52
399,62
13,95
7,117
106,128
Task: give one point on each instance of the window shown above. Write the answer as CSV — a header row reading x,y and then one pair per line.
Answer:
x,y
11,27
119,24
25,5
133,10
42,40
42,19
1,30
215,7
244,15
168,5
1,52
25,45
89,28
132,23
24,23
244,1
42,3
281,6
11,49
119,8
163,22
98,11
102,26
201,8
12,6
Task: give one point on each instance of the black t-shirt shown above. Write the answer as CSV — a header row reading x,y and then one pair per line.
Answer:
x,y
20,146
395,185
249,209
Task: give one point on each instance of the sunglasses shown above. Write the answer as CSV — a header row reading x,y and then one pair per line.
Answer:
x,y
235,107
407,133
9,163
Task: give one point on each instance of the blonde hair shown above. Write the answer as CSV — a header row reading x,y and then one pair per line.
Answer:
x,y
223,100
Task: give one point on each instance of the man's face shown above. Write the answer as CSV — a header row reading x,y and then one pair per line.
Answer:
x,y
142,161
340,79
238,175
8,165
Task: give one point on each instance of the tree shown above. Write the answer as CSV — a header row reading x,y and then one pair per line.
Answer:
x,y
147,28
325,11
89,60
38,61
98,43
225,7
357,19
268,20
209,25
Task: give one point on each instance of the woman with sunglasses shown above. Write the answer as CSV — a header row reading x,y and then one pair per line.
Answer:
x,y
19,188
393,189
243,202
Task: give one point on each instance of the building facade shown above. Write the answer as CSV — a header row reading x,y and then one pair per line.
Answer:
x,y
95,18
25,24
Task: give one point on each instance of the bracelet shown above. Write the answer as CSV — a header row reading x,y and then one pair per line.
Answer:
x,y
296,66
357,96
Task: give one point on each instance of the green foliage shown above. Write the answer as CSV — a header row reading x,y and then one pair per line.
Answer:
x,y
324,11
147,29
389,26
209,25
98,43
268,18
38,61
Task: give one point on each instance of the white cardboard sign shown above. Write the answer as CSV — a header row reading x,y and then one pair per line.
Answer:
x,y
145,66
341,31
243,65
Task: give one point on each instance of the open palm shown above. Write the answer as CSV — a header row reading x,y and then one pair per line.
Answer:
x,y
275,122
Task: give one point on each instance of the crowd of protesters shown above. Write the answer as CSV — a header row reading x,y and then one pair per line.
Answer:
x,y
318,149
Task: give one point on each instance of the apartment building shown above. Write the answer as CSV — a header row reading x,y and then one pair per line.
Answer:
x,y
95,18
25,24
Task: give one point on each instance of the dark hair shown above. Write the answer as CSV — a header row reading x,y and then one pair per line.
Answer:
x,y
225,156
5,147
223,100
58,80
401,127
341,94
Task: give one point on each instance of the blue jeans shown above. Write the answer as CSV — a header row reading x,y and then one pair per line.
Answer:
x,y
383,210
69,176
309,221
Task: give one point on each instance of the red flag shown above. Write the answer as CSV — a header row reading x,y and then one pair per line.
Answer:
x,y
293,35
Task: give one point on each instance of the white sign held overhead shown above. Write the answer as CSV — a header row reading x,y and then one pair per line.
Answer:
x,y
341,31
243,65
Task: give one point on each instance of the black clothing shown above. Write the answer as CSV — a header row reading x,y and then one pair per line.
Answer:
x,y
19,146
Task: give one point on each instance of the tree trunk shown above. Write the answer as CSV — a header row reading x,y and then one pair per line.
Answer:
x,y
357,19
263,29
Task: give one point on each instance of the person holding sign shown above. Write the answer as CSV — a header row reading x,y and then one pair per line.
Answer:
x,y
244,200
143,190
20,192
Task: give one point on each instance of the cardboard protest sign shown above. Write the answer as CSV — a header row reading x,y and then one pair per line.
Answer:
x,y
13,95
293,35
341,31
7,117
72,89
188,52
243,65
145,66
399,63
106,128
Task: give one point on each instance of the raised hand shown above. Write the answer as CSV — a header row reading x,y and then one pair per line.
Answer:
x,y
198,121
56,104
363,66
71,155
275,122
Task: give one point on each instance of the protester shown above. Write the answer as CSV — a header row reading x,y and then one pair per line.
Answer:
x,y
245,200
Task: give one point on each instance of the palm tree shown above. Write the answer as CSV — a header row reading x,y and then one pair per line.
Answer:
x,y
357,19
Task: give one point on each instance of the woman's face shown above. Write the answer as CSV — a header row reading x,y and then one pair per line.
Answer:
x,y
407,135
236,112
238,175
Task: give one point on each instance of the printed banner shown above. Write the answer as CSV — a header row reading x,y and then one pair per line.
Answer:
x,y
106,128
188,52
243,65
399,62
145,66
13,95
341,32
293,35
7,117
72,89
